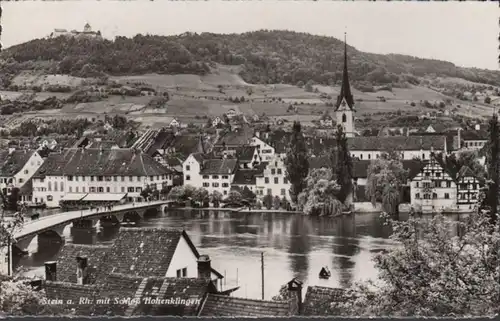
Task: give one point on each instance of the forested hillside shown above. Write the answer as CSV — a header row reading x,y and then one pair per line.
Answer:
x,y
266,57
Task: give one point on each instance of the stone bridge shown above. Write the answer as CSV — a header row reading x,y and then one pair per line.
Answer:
x,y
55,224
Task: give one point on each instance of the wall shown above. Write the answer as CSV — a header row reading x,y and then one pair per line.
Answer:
x,y
209,180
193,173
28,170
407,154
265,151
183,258
264,188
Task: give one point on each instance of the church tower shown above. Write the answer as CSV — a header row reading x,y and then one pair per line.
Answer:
x,y
344,108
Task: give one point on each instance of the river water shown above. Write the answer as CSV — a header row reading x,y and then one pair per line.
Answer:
x,y
293,246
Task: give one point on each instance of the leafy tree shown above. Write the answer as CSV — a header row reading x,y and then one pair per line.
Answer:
x,y
201,195
215,198
247,194
441,268
276,202
493,163
234,197
319,197
297,163
268,201
386,177
146,192
341,158
487,100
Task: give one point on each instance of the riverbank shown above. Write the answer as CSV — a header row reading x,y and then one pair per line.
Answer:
x,y
240,210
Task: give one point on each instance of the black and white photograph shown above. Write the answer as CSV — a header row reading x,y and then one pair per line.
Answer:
x,y
249,159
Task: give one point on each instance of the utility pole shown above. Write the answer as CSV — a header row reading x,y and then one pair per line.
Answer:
x,y
262,272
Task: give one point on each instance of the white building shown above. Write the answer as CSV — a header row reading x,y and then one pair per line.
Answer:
x,y
211,174
273,180
72,174
17,167
433,188
217,121
468,185
266,151
175,123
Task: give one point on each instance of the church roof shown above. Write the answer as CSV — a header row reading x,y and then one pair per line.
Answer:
x,y
345,90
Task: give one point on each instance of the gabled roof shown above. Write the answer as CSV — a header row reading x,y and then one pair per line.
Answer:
x,y
144,252
107,162
247,176
474,135
226,306
396,143
245,153
236,138
219,166
318,300
12,162
68,291
66,261
465,171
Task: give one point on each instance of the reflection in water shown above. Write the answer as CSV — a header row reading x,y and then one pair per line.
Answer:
x,y
293,246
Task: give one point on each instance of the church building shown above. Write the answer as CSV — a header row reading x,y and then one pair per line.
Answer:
x,y
344,108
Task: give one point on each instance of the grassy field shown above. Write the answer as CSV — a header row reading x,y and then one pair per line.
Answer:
x,y
32,79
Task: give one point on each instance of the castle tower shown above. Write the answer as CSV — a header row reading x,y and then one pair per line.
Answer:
x,y
344,108
87,28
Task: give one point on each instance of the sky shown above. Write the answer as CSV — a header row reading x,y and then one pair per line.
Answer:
x,y
464,33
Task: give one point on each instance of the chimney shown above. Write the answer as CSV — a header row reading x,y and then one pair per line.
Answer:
x,y
294,297
204,267
81,269
51,271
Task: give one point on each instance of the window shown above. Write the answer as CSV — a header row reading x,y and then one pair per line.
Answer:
x,y
179,273
279,171
49,198
123,178
269,191
206,184
138,189
416,185
427,185
434,195
123,189
100,178
438,174
151,178
70,178
107,178
225,192
83,189
91,178
184,272
266,180
115,178
417,196
55,186
188,168
130,178
446,196
369,156
215,176
448,184
361,156
188,177
285,180
130,189
273,171
76,189
21,180
70,189
283,192
76,178
225,185
62,187
92,189
215,184
276,180
206,177
344,118
138,178
25,171
100,189
225,177
107,189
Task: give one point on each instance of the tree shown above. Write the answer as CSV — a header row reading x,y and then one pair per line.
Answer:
x,y
341,159
146,192
200,195
309,86
247,194
276,202
215,198
319,197
386,177
441,268
268,201
234,197
493,163
487,100
296,162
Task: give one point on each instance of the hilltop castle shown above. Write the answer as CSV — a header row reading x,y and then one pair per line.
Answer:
x,y
87,32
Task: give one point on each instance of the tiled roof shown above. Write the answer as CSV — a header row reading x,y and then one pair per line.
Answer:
x,y
474,135
465,171
27,188
245,153
247,176
236,138
360,167
123,162
191,290
320,162
121,286
161,141
66,261
227,306
143,251
186,144
67,291
219,166
12,162
318,299
396,143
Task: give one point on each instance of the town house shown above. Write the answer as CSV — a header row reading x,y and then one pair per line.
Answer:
x,y
273,180
213,174
434,187
105,174
17,168
469,186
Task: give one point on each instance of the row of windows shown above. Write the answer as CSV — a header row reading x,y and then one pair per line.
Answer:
x,y
215,177
276,180
428,196
115,178
270,192
215,185
446,184
93,189
474,144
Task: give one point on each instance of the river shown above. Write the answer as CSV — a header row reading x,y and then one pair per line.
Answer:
x,y
293,246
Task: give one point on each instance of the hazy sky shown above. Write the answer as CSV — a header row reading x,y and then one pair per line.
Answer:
x,y
464,33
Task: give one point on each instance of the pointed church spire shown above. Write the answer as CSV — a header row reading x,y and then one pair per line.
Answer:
x,y
345,90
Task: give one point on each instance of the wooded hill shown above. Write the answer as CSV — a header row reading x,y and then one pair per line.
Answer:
x,y
266,57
